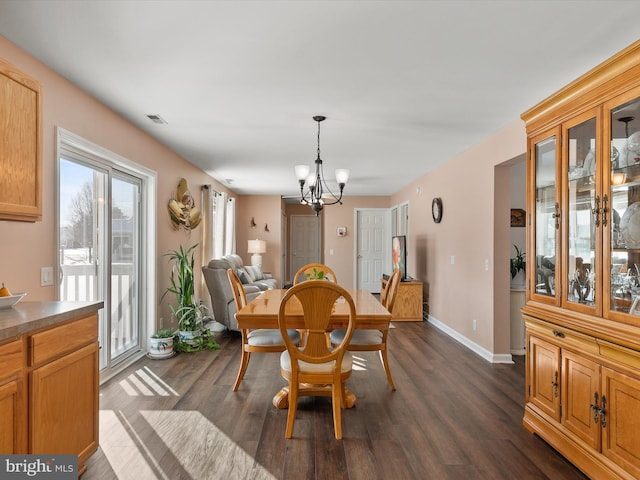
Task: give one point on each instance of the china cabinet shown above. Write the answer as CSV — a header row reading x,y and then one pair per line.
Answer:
x,y
582,311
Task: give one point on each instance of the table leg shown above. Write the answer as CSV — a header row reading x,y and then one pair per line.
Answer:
x,y
281,399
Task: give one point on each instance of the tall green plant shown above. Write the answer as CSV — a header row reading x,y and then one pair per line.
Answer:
x,y
187,311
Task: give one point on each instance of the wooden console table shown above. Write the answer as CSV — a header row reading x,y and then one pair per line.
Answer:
x,y
408,306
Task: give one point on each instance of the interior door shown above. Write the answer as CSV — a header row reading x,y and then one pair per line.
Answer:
x,y
305,242
373,248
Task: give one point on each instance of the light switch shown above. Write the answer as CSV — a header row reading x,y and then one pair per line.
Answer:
x,y
453,259
331,251
46,276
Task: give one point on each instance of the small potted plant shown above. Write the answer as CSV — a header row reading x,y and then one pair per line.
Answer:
x,y
189,312
316,275
161,343
518,265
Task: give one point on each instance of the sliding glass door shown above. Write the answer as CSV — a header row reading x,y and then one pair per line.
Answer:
x,y
100,233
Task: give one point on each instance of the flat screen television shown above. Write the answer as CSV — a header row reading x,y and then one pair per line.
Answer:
x,y
399,255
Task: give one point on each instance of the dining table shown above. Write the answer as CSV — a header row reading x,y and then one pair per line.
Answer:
x,y
262,312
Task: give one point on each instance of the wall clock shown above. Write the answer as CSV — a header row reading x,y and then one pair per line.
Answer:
x,y
436,209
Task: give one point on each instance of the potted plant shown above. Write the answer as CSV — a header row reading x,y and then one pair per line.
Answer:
x,y
188,312
316,275
517,265
161,343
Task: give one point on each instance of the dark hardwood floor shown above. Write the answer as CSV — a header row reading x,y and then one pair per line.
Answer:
x,y
453,416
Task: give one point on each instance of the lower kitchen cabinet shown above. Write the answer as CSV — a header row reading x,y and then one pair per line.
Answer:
x,y
13,420
49,387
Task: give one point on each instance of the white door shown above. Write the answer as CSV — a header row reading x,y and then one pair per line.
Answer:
x,y
305,242
373,248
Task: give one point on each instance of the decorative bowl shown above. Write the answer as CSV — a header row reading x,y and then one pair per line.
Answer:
x,y
11,300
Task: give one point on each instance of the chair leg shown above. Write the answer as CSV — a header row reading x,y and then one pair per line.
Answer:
x,y
385,363
244,363
343,395
293,406
337,401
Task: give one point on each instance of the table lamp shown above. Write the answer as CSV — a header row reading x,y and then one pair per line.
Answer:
x,y
257,248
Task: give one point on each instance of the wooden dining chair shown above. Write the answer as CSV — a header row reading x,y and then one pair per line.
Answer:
x,y
263,340
365,340
316,369
313,271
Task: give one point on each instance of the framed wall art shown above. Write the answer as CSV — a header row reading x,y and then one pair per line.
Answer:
x,y
518,217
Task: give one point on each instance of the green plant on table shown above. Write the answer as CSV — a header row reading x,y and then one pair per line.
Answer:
x,y
316,275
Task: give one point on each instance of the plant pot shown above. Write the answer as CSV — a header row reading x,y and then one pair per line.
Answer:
x,y
187,336
518,282
161,347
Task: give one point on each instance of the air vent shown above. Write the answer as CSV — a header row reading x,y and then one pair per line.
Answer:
x,y
155,118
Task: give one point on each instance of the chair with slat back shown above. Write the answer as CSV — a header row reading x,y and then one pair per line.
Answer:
x,y
314,271
374,340
316,369
261,340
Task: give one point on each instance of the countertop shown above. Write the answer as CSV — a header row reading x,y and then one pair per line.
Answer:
x,y
25,317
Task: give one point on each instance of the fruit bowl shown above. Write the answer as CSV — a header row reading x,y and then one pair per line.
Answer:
x,y
11,300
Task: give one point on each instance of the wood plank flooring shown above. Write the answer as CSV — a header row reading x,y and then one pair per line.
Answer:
x,y
453,416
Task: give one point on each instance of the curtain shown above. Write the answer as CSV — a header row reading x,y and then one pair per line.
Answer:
x,y
230,233
219,211
207,202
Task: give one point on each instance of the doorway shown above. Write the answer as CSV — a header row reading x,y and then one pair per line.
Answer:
x,y
102,225
373,247
305,242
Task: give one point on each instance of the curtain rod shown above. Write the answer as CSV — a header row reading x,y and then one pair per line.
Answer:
x,y
207,187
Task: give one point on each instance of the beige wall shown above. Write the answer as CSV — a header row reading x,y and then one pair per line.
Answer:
x,y
266,211
474,228
27,247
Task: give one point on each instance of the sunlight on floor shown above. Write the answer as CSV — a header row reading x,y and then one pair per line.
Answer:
x,y
201,449
147,383
359,363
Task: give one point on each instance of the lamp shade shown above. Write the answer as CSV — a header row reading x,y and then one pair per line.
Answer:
x,y
257,246
302,171
342,175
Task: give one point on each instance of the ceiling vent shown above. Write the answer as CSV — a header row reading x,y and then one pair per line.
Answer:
x,y
155,118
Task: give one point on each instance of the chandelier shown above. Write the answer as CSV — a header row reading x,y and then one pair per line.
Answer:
x,y
319,194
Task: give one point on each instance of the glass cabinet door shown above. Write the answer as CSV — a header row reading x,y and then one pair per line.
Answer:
x,y
547,219
583,214
624,231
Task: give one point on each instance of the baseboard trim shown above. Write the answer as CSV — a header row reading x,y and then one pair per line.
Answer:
x,y
474,347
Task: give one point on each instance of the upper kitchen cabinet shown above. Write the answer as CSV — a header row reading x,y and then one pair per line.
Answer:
x,y
21,145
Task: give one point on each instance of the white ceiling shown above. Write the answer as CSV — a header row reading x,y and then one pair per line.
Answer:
x,y
406,85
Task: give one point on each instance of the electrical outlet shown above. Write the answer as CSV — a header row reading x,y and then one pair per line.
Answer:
x,y
475,325
486,264
453,259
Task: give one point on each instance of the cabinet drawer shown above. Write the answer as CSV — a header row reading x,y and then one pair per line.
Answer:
x,y
56,341
562,336
10,359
